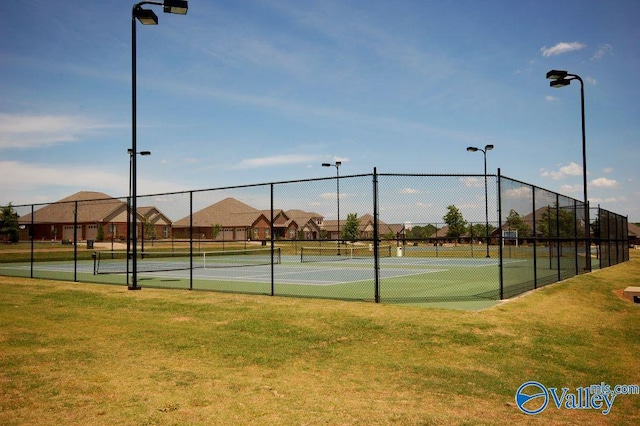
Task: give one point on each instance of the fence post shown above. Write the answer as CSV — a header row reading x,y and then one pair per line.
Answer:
x,y
535,239
31,236
558,242
376,237
500,236
75,242
272,244
190,240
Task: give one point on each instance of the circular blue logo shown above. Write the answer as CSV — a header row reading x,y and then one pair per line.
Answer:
x,y
532,398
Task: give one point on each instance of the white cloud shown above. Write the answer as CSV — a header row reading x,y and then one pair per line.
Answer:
x,y
276,160
561,48
621,199
550,98
472,182
516,193
607,170
30,182
604,183
34,131
332,195
572,169
603,50
590,80
569,189
409,191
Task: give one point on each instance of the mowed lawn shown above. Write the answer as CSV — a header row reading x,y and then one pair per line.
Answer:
x,y
74,353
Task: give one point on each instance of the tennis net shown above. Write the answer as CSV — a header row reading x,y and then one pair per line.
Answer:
x,y
329,254
115,262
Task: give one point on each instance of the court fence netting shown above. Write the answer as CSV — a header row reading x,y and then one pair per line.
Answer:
x,y
380,237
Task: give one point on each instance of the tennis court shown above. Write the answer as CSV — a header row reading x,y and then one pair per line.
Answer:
x,y
350,275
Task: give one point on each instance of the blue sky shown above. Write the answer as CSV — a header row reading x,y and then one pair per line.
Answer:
x,y
241,92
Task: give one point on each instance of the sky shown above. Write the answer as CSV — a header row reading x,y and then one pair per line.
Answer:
x,y
241,92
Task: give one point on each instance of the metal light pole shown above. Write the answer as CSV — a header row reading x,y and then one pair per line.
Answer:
x,y
560,79
486,202
131,217
146,17
337,165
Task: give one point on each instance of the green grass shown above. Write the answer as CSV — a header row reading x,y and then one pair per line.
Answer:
x,y
73,353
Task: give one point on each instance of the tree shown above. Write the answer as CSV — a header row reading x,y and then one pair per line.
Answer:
x,y
215,230
455,221
515,223
351,228
100,234
150,231
418,232
559,223
9,224
389,235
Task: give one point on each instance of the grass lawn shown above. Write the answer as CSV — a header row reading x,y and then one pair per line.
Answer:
x,y
74,353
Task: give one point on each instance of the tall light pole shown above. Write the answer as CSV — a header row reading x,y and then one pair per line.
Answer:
x,y
131,217
337,165
486,202
146,17
560,79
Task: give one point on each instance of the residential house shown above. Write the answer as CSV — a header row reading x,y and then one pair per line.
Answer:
x,y
303,225
226,220
155,225
97,214
633,231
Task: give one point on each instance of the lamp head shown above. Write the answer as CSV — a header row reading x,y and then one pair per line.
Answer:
x,y
175,6
338,163
326,165
145,16
559,83
472,149
145,152
556,74
488,147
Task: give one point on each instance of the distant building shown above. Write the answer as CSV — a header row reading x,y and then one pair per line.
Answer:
x,y
95,210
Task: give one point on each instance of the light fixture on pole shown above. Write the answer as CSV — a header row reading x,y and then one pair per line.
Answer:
x,y
337,165
146,17
486,202
560,78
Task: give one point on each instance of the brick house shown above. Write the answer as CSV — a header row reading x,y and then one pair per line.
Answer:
x,y
95,210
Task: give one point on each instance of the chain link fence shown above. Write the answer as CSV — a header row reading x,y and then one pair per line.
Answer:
x,y
392,238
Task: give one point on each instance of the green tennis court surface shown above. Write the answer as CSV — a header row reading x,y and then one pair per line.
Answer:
x,y
447,282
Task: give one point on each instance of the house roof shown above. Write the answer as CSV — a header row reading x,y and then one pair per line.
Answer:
x,y
228,212
633,229
92,207
154,215
302,218
364,221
